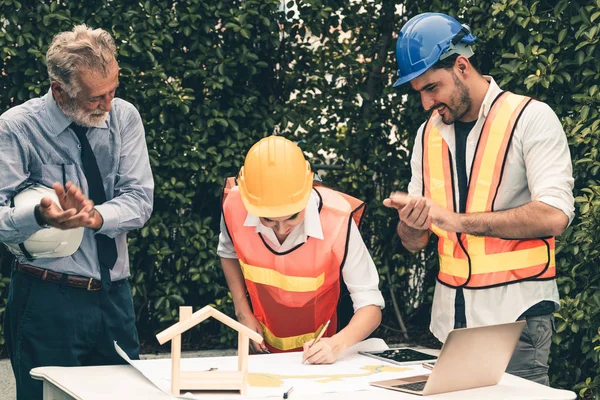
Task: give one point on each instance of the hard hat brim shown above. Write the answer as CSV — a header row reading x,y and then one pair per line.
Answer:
x,y
462,49
269,211
409,77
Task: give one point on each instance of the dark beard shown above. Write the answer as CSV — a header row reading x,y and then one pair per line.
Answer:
x,y
461,106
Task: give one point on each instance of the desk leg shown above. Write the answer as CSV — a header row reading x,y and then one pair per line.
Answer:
x,y
51,392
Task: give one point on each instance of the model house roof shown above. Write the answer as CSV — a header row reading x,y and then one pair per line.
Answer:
x,y
201,315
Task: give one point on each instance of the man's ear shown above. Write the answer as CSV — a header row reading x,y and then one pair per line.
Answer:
x,y
56,86
57,91
462,66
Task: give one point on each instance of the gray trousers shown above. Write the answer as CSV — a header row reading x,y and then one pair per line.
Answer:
x,y
530,359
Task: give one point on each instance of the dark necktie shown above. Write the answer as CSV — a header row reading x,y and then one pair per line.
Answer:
x,y
107,248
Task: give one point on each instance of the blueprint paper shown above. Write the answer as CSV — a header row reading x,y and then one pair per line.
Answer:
x,y
273,374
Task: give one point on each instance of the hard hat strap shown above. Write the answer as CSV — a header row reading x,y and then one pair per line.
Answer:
x,y
464,31
457,46
462,49
25,252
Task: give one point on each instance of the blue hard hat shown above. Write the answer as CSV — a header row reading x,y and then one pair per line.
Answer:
x,y
427,38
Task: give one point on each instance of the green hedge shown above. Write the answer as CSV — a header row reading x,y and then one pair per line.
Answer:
x,y
212,77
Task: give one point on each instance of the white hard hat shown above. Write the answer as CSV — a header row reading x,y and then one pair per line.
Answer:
x,y
49,242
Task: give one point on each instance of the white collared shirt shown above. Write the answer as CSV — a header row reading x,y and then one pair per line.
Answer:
x,y
538,167
359,272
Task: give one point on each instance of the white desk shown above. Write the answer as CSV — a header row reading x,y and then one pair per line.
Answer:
x,y
123,382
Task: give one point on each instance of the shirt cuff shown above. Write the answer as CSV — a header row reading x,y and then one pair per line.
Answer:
x,y
110,215
367,298
24,220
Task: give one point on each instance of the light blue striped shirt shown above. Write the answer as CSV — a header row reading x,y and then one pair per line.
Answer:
x,y
37,145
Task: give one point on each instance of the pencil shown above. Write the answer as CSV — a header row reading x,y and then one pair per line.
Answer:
x,y
319,336
427,366
287,394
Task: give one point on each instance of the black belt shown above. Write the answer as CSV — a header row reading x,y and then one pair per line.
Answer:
x,y
75,281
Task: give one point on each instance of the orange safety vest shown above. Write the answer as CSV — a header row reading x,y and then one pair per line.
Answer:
x,y
477,262
293,293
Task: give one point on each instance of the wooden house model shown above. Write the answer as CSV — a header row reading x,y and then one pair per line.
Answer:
x,y
207,380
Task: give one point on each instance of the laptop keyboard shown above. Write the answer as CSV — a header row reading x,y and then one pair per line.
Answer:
x,y
416,386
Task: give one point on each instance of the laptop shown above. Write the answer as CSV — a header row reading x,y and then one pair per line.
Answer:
x,y
470,358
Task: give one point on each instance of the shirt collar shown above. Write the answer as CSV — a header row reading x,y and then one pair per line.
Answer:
x,y
58,120
311,224
491,94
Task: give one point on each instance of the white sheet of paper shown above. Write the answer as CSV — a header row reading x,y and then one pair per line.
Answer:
x,y
273,374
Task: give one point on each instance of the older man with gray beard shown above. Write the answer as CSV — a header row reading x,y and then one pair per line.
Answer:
x,y
90,148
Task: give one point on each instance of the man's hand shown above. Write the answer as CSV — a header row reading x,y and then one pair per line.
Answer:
x,y
249,320
418,213
74,211
416,216
413,211
324,352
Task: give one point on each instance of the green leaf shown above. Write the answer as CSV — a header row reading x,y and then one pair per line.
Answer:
x,y
561,35
245,33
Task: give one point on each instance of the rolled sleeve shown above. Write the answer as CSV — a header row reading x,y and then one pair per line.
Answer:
x,y
415,186
558,201
547,159
360,274
225,249
365,298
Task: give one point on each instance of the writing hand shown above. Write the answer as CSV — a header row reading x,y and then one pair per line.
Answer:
x,y
322,352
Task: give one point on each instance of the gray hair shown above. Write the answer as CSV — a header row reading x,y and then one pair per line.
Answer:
x,y
82,48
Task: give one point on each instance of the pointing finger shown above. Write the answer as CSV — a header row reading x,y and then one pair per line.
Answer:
x,y
397,200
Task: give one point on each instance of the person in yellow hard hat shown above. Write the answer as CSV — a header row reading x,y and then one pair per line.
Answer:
x,y
291,247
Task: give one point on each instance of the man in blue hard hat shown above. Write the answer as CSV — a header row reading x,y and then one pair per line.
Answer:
x,y
492,179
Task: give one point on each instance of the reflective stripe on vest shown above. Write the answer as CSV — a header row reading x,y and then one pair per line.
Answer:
x,y
295,292
266,276
476,261
290,342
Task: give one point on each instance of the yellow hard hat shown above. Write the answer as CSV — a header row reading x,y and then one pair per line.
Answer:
x,y
276,180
